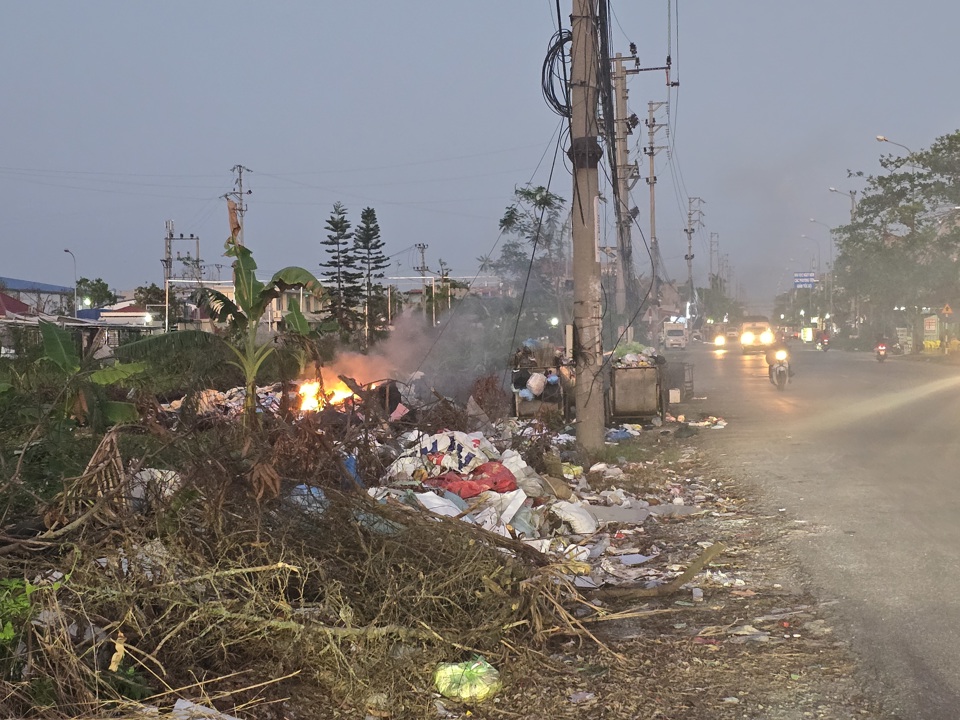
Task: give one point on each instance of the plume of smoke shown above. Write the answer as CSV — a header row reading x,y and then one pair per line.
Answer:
x,y
473,340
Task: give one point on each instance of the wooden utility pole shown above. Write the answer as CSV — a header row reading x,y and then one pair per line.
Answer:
x,y
585,154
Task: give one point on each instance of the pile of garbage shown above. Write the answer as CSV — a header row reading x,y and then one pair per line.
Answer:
x,y
229,403
461,538
464,476
532,385
641,357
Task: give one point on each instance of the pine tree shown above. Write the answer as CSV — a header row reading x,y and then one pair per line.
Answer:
x,y
341,272
368,251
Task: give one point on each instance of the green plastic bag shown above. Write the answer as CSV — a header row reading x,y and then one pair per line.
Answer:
x,y
472,682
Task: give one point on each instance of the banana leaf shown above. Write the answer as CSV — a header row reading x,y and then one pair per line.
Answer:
x,y
120,412
58,347
180,341
117,373
295,320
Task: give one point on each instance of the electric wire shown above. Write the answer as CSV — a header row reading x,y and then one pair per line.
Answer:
x,y
554,70
558,134
533,253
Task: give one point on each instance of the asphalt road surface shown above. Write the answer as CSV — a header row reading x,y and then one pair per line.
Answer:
x,y
864,456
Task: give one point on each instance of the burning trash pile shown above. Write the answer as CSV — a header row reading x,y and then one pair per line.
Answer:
x,y
391,529
303,398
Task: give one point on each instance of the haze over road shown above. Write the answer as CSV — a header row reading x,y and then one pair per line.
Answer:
x,y
865,456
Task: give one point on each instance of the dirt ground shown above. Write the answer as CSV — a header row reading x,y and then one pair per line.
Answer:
x,y
758,644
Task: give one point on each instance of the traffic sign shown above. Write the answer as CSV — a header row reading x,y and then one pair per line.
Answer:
x,y
947,310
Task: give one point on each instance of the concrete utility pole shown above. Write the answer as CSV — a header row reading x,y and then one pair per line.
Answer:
x,y
167,263
237,197
585,154
714,251
422,269
694,221
627,176
650,151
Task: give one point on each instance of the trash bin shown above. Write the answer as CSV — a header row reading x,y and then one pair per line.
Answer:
x,y
635,392
552,399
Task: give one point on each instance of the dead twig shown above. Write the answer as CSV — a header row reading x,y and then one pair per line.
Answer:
x,y
663,590
233,571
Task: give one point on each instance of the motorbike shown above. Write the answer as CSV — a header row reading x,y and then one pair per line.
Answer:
x,y
823,344
780,369
881,352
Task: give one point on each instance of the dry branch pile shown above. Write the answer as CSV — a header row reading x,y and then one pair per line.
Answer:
x,y
246,605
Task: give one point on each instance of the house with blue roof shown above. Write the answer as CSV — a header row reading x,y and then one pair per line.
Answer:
x,y
42,298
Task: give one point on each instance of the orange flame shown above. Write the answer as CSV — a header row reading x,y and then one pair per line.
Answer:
x,y
311,400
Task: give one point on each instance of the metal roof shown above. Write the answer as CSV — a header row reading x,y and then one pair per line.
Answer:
x,y
31,286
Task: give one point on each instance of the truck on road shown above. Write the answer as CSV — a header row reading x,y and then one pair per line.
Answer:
x,y
675,335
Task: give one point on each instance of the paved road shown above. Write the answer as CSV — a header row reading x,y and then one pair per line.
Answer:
x,y
868,455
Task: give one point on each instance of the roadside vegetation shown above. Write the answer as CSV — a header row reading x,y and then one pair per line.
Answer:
x,y
148,555
898,259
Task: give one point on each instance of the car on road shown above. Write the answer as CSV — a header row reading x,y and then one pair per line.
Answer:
x,y
756,335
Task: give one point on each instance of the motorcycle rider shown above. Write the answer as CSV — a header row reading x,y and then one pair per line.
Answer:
x,y
771,356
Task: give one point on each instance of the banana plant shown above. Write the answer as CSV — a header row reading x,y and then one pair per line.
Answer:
x,y
83,399
243,312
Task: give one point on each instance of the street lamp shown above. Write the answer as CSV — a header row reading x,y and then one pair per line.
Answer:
x,y
910,153
884,138
74,281
830,230
853,200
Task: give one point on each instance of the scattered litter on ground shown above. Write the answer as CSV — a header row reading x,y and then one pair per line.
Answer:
x,y
472,681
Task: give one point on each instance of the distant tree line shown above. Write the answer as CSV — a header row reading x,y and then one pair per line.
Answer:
x,y
899,257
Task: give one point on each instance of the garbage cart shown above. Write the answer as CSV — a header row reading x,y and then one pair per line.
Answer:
x,y
635,392
553,397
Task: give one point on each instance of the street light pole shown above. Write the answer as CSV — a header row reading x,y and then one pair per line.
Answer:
x,y
910,153
853,201
832,269
819,274
884,138
807,237
830,231
74,281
